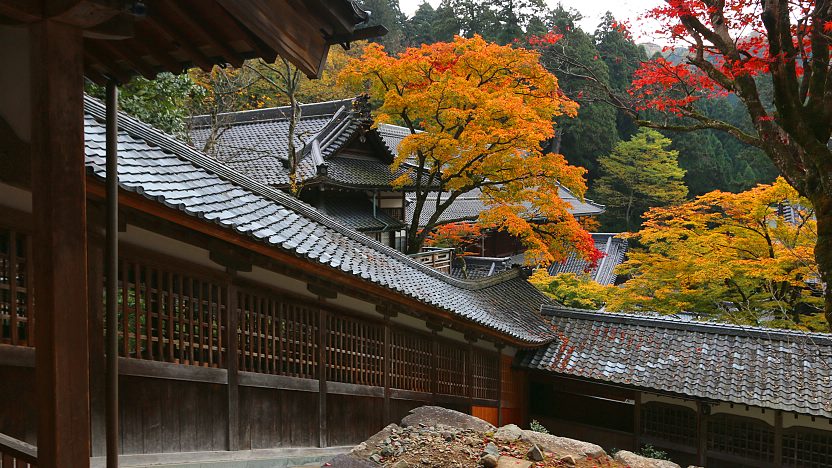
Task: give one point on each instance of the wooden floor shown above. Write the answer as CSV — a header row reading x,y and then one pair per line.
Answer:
x,y
273,458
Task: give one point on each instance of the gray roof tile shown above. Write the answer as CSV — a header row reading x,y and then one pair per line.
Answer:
x,y
777,369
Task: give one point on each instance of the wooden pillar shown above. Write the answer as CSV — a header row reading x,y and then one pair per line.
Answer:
x,y
469,373
702,432
95,277
778,437
388,367
60,245
499,347
434,360
637,421
232,364
322,339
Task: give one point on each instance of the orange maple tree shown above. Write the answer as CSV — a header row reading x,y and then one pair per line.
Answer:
x,y
477,113
733,46
732,256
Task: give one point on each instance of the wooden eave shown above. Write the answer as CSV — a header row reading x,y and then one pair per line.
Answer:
x,y
124,38
346,282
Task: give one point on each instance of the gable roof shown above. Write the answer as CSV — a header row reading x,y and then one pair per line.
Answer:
x,y
160,168
356,211
255,143
777,369
614,249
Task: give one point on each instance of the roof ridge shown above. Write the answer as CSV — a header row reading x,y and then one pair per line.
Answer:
x,y
182,150
309,110
678,324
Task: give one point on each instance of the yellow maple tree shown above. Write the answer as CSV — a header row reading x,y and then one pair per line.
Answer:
x,y
736,257
477,113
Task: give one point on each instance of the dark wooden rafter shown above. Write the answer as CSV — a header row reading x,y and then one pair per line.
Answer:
x,y
194,21
110,54
100,73
160,26
260,48
165,61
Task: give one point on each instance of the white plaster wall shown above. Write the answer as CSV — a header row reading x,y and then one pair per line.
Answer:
x,y
13,197
165,245
15,79
270,278
802,420
648,397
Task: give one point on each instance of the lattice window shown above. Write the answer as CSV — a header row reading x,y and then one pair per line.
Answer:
x,y
277,335
669,422
451,361
411,361
805,448
486,369
16,317
170,316
355,351
744,437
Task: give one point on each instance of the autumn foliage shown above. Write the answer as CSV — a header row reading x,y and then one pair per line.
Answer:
x,y
463,237
735,257
477,114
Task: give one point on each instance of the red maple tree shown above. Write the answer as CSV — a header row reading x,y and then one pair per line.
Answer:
x,y
732,46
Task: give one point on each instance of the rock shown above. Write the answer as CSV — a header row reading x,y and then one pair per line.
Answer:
x,y
535,453
564,446
400,464
348,461
567,460
447,436
511,462
508,433
637,461
375,458
435,415
363,450
489,461
387,451
491,449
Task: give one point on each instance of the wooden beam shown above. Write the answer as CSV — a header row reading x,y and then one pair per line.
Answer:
x,y
95,277
778,437
162,27
388,368
322,355
187,19
60,236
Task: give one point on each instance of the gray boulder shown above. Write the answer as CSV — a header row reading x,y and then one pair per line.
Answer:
x,y
438,416
637,461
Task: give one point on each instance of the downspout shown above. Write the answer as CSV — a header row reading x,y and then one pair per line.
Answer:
x,y
111,269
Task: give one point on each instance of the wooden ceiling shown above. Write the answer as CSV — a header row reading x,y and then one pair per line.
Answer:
x,y
125,38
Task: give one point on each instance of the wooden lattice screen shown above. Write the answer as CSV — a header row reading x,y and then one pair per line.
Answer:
x,y
807,448
672,423
170,316
411,361
277,335
354,351
740,436
451,363
16,318
486,374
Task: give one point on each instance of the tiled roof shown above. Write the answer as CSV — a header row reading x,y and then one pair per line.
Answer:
x,y
255,143
469,267
468,206
163,169
614,249
777,369
356,211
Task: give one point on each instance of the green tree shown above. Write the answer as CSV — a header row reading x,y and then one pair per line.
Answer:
x,y
639,174
162,103
389,14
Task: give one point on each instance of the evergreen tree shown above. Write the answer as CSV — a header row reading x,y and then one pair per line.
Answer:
x,y
420,28
639,174
388,14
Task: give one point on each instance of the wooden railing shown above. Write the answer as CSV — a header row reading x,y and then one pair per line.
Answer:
x,y
175,312
17,454
438,259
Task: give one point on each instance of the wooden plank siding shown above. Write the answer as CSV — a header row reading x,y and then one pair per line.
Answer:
x,y
180,391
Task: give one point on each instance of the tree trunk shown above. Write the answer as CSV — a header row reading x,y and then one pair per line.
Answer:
x,y
823,250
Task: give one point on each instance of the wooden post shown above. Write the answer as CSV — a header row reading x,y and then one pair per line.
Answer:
x,y
60,245
499,347
232,363
702,432
434,366
637,421
322,339
778,437
469,374
95,277
388,367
